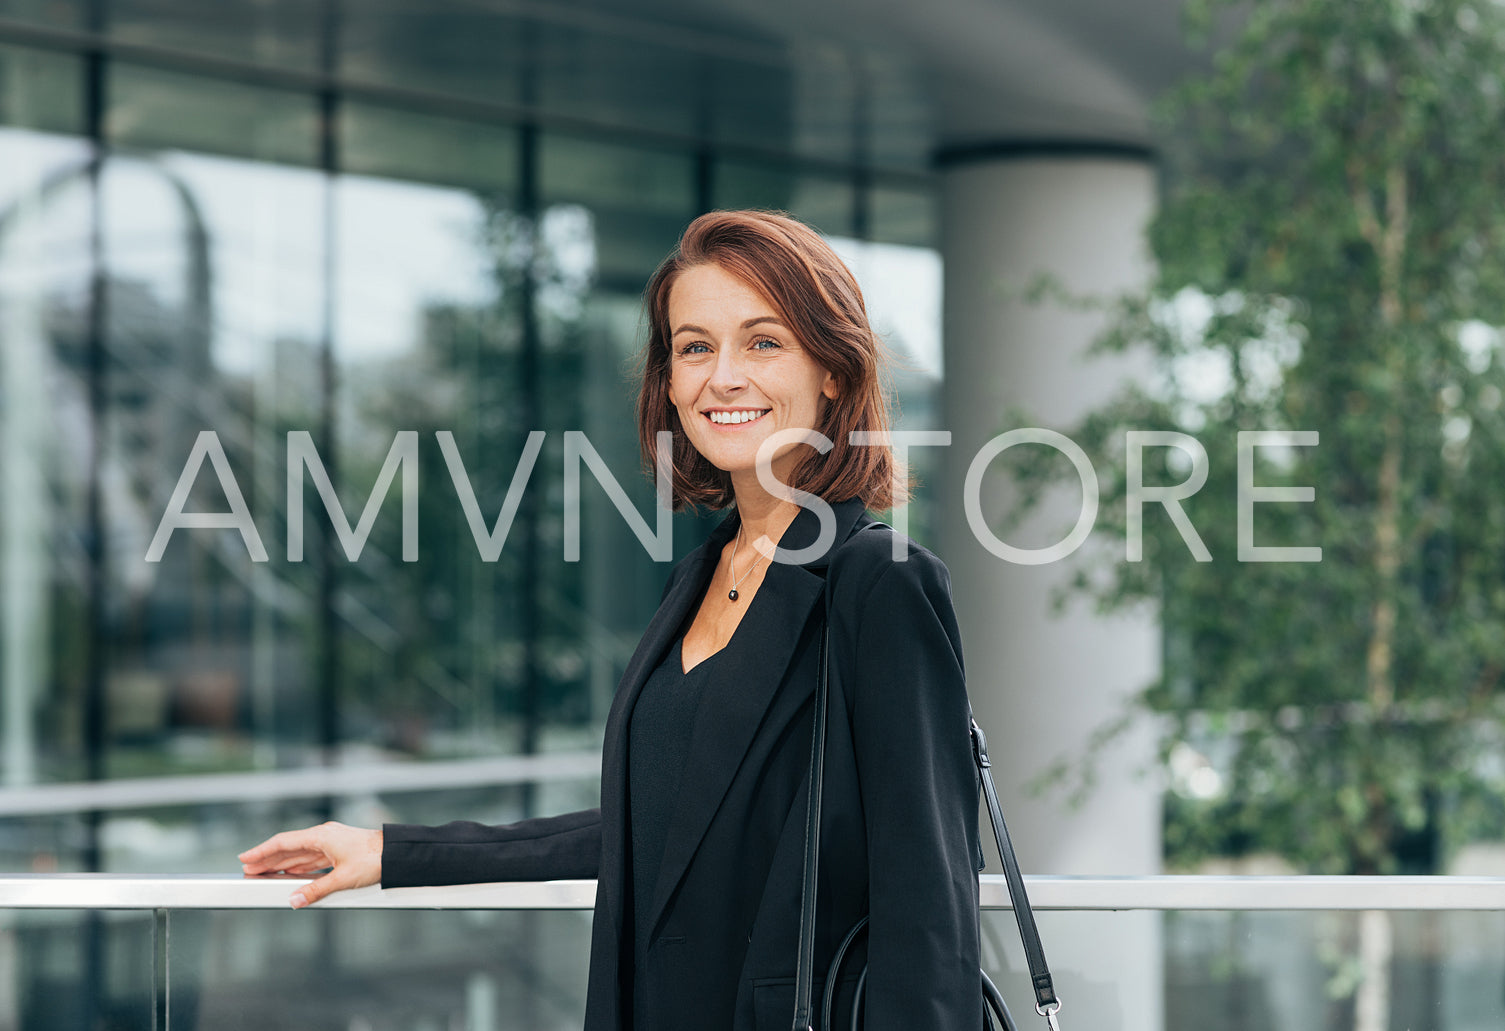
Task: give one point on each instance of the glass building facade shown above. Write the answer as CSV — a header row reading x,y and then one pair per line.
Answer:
x,y
227,227
290,235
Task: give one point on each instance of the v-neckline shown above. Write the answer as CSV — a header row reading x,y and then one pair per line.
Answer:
x,y
729,641
746,615
686,672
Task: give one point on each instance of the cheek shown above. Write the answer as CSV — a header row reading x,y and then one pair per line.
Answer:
x,y
685,386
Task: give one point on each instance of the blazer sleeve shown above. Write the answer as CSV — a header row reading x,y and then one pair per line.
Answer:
x,y
911,723
463,852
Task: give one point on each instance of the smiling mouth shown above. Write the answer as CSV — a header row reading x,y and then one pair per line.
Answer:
x,y
737,418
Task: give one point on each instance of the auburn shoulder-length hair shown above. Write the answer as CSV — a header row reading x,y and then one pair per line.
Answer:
x,y
818,298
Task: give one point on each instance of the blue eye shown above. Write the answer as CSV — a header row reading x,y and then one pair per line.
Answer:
x,y
692,349
766,340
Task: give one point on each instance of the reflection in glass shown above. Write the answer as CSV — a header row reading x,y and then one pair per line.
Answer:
x,y
68,970
903,216
153,108
465,50
475,279
621,73
640,199
383,970
66,14
426,340
213,328
902,289
45,213
39,90
426,148
402,969
1301,971
283,33
624,207
827,203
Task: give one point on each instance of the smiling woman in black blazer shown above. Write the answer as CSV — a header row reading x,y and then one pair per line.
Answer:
x,y
756,328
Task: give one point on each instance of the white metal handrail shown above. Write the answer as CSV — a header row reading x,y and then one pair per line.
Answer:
x,y
215,891
304,782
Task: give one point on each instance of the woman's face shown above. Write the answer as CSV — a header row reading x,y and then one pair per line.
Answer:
x,y
737,373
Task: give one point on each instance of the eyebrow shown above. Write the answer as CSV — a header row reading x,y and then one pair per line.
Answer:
x,y
691,328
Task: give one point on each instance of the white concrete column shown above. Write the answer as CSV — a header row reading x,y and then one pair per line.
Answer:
x,y
1041,681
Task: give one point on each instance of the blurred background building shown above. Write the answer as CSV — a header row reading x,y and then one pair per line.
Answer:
x,y
351,219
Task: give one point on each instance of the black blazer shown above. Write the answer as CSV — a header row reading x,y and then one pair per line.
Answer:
x,y
899,829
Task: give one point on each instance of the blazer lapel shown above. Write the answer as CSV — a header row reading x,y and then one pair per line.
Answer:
x,y
733,709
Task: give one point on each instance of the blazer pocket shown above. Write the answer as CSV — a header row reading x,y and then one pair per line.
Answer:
x,y
773,1002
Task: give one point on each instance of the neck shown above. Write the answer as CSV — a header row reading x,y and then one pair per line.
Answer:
x,y
764,515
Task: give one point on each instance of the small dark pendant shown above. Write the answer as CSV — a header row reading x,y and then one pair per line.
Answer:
x,y
732,594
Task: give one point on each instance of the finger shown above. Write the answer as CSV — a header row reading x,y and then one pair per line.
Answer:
x,y
285,861
321,887
305,869
286,841
295,869
283,856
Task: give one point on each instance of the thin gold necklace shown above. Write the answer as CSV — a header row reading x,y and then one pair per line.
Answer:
x,y
732,594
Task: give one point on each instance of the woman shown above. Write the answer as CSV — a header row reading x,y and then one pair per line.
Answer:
x,y
698,845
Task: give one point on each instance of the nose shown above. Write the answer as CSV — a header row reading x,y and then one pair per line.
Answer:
x,y
728,377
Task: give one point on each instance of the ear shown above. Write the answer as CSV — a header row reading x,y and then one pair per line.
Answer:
x,y
829,387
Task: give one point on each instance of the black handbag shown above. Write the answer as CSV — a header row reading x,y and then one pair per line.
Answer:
x,y
1046,1003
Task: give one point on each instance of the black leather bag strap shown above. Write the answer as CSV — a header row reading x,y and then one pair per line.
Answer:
x,y
1046,1002
804,972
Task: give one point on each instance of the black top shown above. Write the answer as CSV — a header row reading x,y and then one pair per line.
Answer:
x,y
658,742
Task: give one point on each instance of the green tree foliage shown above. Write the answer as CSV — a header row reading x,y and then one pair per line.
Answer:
x,y
1331,257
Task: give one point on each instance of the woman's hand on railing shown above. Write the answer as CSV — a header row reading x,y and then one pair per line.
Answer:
x,y
351,854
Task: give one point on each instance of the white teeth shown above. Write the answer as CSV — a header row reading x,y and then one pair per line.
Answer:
x,y
729,418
